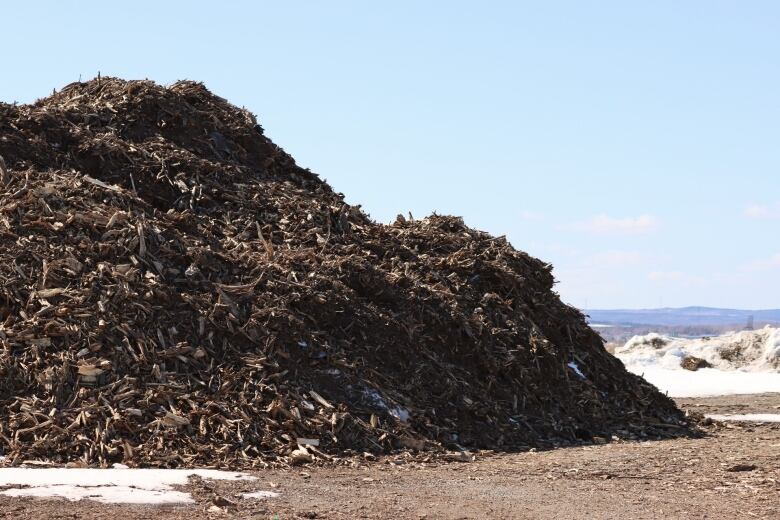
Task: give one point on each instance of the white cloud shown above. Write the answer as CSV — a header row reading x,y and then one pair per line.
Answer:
x,y
666,276
763,211
559,250
615,258
604,224
676,277
764,264
531,216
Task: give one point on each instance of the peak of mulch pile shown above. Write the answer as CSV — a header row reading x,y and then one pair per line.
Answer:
x,y
175,291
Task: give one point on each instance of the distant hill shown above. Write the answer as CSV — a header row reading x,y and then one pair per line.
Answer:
x,y
682,317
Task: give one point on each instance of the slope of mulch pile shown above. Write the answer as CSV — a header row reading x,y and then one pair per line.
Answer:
x,y
175,291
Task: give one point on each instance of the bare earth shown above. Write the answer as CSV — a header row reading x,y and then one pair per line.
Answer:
x,y
734,472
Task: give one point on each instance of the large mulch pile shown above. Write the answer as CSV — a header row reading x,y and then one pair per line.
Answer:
x,y
176,291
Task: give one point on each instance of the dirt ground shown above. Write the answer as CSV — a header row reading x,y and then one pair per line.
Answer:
x,y
733,472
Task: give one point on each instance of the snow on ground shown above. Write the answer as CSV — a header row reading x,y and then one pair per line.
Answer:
x,y
707,381
746,362
748,417
260,494
111,486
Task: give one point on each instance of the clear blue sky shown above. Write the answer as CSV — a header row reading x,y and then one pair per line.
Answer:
x,y
634,145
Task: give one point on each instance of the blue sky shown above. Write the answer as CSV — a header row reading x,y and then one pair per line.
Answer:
x,y
634,145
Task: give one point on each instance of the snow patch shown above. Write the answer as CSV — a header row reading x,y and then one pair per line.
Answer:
x,y
110,486
376,400
104,494
751,417
707,382
573,366
260,494
400,413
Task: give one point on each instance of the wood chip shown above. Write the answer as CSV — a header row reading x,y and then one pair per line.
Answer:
x,y
181,293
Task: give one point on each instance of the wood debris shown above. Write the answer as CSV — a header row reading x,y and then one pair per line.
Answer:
x,y
176,291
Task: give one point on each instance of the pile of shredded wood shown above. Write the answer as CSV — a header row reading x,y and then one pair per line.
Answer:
x,y
175,291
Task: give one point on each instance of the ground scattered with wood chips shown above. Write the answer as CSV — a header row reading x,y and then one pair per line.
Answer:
x,y
731,473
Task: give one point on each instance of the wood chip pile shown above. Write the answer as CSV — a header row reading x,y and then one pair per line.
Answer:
x,y
175,291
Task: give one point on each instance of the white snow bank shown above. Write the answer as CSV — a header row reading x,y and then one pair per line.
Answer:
x,y
749,351
707,381
746,362
751,417
111,486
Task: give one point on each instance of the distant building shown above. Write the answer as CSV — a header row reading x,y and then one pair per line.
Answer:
x,y
749,325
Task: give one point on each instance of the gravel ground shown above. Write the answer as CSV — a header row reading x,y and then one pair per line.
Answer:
x,y
733,472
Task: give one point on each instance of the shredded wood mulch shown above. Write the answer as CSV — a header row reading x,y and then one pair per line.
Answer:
x,y
175,291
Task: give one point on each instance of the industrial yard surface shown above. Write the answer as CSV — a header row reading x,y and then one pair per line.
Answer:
x,y
730,473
